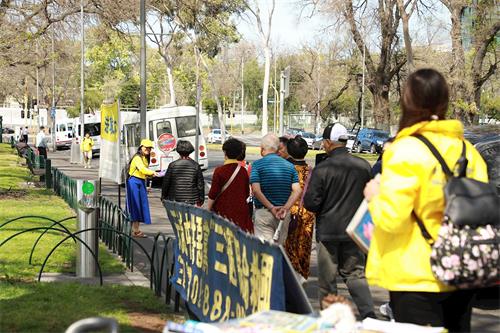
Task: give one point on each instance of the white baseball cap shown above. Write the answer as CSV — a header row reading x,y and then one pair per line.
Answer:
x,y
335,132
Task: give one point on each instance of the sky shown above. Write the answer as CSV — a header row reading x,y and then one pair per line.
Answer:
x,y
290,31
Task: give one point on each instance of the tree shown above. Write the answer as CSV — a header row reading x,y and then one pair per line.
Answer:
x,y
264,31
466,84
390,61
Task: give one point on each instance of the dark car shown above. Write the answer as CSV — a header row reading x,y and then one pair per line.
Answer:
x,y
486,139
7,130
370,139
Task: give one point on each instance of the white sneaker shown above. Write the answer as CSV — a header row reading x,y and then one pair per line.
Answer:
x,y
386,311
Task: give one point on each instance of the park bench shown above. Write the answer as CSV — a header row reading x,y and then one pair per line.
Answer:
x,y
36,164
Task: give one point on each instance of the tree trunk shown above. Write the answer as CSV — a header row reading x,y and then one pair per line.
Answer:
x,y
409,50
460,96
265,89
381,109
173,97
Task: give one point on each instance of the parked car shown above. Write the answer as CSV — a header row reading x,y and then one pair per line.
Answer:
x,y
7,130
294,131
215,136
318,143
370,139
309,137
351,138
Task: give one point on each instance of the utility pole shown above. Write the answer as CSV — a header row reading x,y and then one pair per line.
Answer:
x,y
242,95
53,108
143,70
363,90
275,125
318,110
37,90
82,73
284,92
198,103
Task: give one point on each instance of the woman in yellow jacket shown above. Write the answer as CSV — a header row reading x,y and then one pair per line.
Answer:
x,y
412,183
86,146
137,195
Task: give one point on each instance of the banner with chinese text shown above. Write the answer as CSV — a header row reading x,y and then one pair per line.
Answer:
x,y
221,271
109,157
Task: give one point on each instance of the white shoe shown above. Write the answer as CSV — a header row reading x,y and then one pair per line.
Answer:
x,y
386,311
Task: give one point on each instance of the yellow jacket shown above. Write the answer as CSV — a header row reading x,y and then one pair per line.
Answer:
x,y
412,179
87,144
139,167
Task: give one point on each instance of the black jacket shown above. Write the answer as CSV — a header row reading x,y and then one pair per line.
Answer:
x,y
184,182
335,193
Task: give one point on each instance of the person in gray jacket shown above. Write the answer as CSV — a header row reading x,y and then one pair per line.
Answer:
x,y
183,180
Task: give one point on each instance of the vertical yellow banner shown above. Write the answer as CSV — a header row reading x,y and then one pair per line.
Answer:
x,y
109,122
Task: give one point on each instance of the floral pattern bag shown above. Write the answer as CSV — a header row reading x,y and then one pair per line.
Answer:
x,y
467,249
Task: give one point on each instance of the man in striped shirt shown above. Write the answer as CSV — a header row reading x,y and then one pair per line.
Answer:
x,y
275,185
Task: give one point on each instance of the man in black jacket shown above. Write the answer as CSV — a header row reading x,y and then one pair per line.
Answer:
x,y
183,180
334,194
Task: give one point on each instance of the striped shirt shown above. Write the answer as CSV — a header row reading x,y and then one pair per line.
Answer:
x,y
275,176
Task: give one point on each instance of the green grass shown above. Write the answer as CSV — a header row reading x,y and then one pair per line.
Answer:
x,y
52,307
311,154
11,176
19,202
27,306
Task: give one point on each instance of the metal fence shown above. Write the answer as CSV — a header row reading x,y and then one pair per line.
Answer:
x,y
65,187
112,218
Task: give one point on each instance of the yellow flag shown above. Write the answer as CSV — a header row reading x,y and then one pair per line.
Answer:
x,y
109,122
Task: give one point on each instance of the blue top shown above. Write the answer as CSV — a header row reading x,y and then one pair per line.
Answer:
x,y
275,176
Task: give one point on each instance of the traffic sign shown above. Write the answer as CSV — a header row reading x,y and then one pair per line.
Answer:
x,y
53,112
88,188
166,142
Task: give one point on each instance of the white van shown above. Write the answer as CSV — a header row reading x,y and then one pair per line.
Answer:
x,y
92,126
164,126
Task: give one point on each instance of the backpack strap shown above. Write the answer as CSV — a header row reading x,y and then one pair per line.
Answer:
x,y
462,161
423,230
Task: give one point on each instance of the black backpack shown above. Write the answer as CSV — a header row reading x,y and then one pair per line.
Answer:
x,y
467,250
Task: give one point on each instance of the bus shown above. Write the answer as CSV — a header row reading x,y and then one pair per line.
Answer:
x,y
164,126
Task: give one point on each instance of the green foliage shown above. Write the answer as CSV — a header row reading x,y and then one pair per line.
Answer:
x,y
130,93
490,106
92,101
253,77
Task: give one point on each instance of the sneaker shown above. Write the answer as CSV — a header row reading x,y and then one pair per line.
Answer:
x,y
386,311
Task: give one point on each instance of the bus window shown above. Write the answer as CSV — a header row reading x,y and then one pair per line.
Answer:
x,y
186,126
94,129
151,134
61,128
163,127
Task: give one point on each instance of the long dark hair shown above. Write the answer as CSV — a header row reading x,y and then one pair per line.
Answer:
x,y
425,97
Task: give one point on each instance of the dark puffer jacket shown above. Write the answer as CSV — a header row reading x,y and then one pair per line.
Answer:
x,y
184,182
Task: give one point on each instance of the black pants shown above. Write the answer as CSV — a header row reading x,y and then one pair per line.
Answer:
x,y
42,151
451,310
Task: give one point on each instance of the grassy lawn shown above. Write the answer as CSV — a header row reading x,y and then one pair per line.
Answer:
x,y
26,305
311,154
53,307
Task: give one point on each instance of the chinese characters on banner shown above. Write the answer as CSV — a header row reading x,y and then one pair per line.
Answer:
x,y
109,158
221,271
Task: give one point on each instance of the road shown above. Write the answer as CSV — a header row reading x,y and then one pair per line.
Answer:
x,y
483,320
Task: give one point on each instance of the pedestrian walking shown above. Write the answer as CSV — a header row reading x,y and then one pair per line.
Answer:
x,y
334,194
275,185
25,133
137,195
230,189
299,241
41,142
86,146
183,180
411,187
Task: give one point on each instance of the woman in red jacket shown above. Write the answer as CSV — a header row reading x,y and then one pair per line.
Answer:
x,y
230,188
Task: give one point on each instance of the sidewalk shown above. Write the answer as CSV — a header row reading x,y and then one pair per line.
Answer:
x,y
482,320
